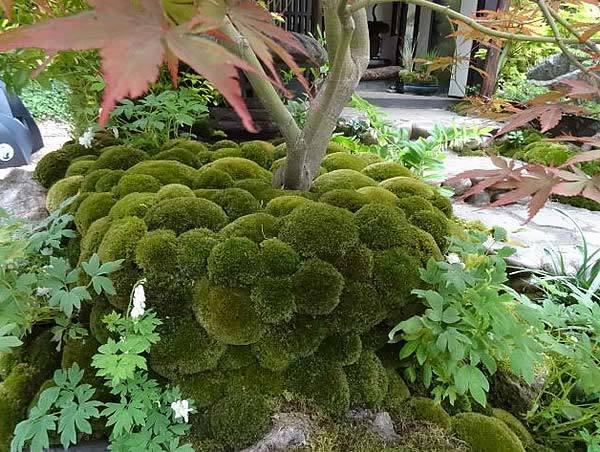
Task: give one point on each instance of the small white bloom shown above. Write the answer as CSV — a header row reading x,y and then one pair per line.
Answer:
x,y
139,302
46,251
453,258
181,409
42,291
115,132
86,139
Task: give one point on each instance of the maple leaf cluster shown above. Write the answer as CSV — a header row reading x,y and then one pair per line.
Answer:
x,y
136,37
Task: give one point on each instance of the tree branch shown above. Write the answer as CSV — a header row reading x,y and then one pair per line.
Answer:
x,y
446,10
562,21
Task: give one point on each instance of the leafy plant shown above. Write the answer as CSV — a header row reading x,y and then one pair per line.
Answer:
x,y
47,102
472,322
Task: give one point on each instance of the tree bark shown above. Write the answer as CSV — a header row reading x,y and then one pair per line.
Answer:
x,y
492,62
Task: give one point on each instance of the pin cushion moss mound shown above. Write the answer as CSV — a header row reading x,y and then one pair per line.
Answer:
x,y
262,291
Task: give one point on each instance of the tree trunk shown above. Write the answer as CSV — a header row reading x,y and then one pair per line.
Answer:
x,y
492,62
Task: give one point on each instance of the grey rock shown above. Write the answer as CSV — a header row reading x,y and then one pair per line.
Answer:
x,y
379,423
459,186
22,196
551,67
289,430
513,394
480,199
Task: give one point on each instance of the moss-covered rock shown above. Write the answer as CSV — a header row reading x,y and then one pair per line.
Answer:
x,y
133,205
119,157
273,299
261,152
166,172
485,434
424,409
434,222
406,186
257,227
190,145
94,207
61,191
367,380
223,144
226,152
53,166
398,392
344,198
395,275
92,239
158,251
279,258
343,160
318,286
235,262
136,183
213,178
413,204
378,195
381,226
183,214
97,326
194,248
359,310
240,168
108,180
343,349
181,155
342,178
515,425
386,170
443,204
234,201
283,205
356,264
175,191
79,168
91,179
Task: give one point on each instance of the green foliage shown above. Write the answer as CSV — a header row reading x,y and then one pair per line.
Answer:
x,y
472,322
47,102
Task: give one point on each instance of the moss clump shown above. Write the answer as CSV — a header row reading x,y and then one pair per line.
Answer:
x,y
261,152
435,223
183,214
61,191
80,351
421,245
226,152
95,206
136,183
190,145
97,327
240,168
344,198
237,357
485,434
356,264
53,167
259,188
194,247
443,204
320,230
318,286
175,191
386,170
336,148
107,181
343,160
92,239
213,178
424,409
395,275
398,392
367,380
235,262
184,348
381,226
407,186
359,310
342,178
158,251
279,258
119,157
234,201
223,144
378,195
90,180
227,314
257,227
273,299
342,349
515,425
133,205
283,205
205,389
79,168
545,153
240,418
280,151
166,172
413,204
180,155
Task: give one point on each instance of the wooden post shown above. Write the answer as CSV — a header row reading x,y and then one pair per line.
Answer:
x,y
492,62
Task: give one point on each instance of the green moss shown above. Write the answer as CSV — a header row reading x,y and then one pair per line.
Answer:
x,y
109,180
184,348
133,205
343,160
92,239
342,178
95,206
318,286
387,170
280,151
342,349
237,357
226,152
183,214
369,158
205,157
356,264
359,310
184,143
273,299
443,204
223,144
367,380
397,393
322,382
204,389
90,179
166,172
181,155
346,199
378,195
240,168
407,186
213,178
175,191
261,152
119,157
279,258
194,247
79,168
259,188
336,148
283,205
136,183
395,275
234,201
158,251
51,168
485,434
240,418
236,262
545,153
424,409
579,201
61,191
80,351
257,227
320,230
97,326
515,425
435,223
413,204
227,314
381,226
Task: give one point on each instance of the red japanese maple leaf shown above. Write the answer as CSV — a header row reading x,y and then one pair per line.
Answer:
x,y
582,89
134,41
577,183
548,116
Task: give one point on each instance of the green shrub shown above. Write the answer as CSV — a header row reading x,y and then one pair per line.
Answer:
x,y
181,155
213,178
61,191
175,191
407,186
136,183
98,328
133,205
94,207
341,178
343,160
485,434
386,170
119,157
166,172
183,214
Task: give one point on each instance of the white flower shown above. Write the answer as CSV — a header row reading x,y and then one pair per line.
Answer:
x,y
46,251
42,291
115,132
454,258
181,409
139,302
86,139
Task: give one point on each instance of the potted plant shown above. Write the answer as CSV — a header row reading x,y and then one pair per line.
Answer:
x,y
416,82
